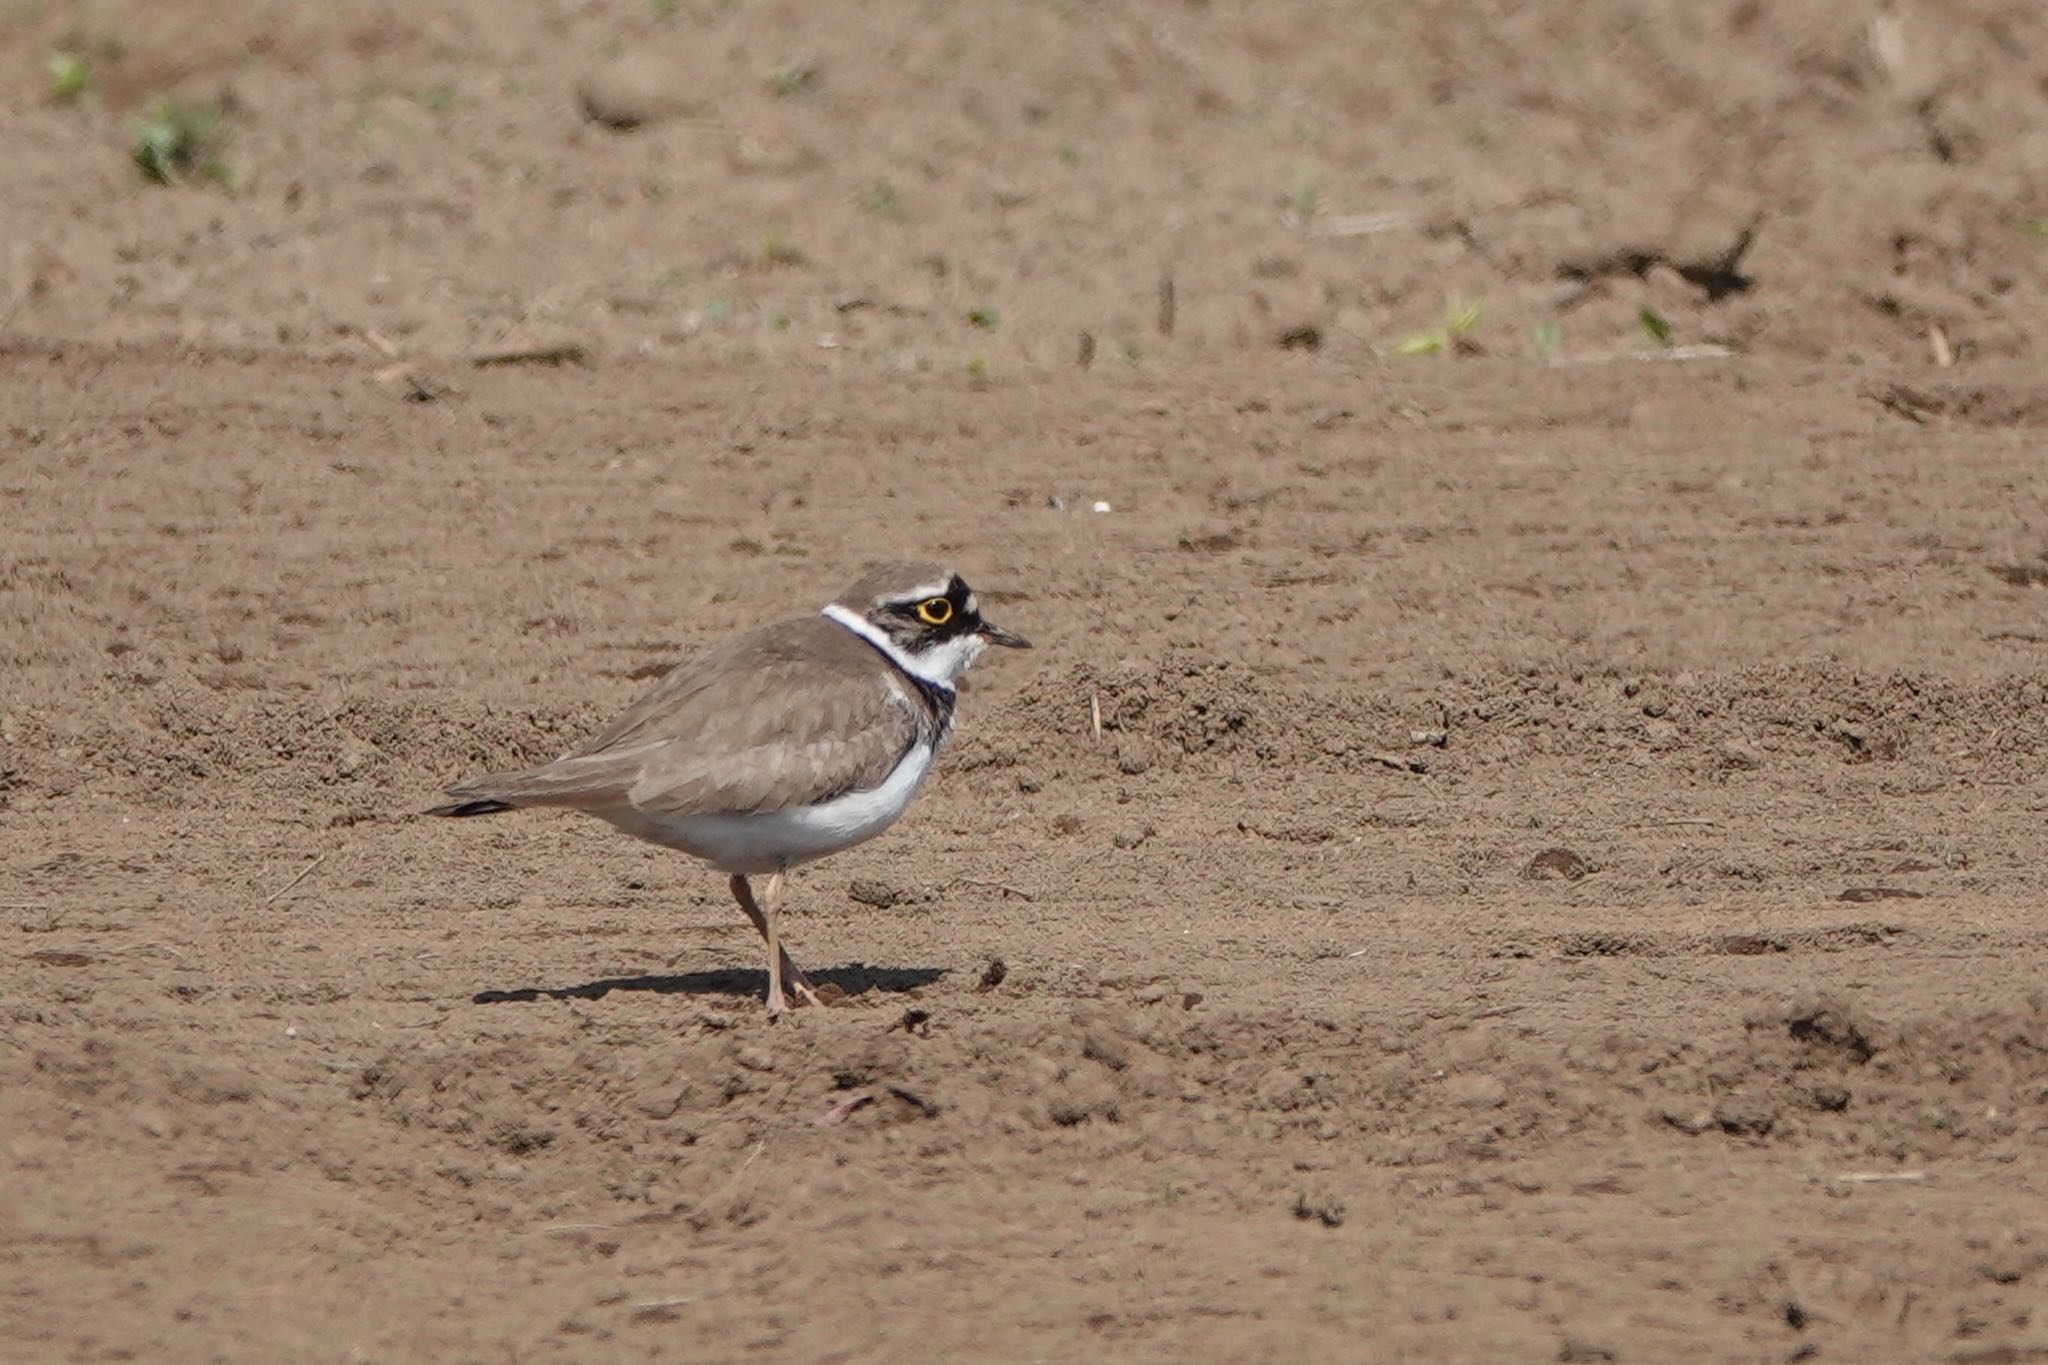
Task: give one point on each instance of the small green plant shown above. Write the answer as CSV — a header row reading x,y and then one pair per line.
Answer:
x,y
70,77
984,317
675,277
2039,227
175,142
1546,341
443,96
776,251
1459,320
1069,154
717,310
797,78
1306,198
777,322
977,369
1654,326
662,10
883,201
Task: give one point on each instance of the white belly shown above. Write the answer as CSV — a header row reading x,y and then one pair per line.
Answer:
x,y
754,845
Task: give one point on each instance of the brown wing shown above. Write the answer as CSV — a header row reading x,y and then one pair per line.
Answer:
x,y
794,713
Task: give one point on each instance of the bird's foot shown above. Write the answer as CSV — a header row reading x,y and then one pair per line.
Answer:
x,y
780,1003
799,985
793,976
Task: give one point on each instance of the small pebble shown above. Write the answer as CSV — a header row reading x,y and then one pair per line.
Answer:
x,y
633,91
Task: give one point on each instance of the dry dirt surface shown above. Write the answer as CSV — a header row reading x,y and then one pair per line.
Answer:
x,y
1532,853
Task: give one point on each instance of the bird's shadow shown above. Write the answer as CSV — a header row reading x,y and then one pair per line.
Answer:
x,y
855,978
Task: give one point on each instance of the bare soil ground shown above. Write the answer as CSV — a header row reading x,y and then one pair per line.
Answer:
x,y
1491,860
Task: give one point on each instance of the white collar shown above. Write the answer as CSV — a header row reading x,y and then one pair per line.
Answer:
x,y
865,628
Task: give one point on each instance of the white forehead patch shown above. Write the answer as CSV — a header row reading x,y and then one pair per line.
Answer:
x,y
919,594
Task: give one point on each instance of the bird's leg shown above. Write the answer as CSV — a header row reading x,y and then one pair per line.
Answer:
x,y
765,926
770,902
791,974
780,964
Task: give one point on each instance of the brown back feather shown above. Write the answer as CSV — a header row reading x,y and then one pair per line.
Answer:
x,y
794,713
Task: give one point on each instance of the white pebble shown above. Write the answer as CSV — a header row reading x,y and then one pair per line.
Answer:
x,y
1101,507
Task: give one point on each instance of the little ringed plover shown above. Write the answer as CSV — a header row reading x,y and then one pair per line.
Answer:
x,y
780,746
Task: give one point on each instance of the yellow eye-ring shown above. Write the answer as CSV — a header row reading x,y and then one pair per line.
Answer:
x,y
935,611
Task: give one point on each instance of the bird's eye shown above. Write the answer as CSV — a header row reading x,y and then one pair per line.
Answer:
x,y
935,611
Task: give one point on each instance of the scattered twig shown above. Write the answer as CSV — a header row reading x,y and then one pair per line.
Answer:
x,y
916,1101
1702,352
1003,887
844,1110
1653,824
566,353
1937,343
1095,716
150,949
1881,1177
1167,306
1888,43
304,873
1363,224
1904,402
14,305
23,281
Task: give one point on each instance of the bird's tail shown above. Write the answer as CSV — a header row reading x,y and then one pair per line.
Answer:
x,y
476,806
581,782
